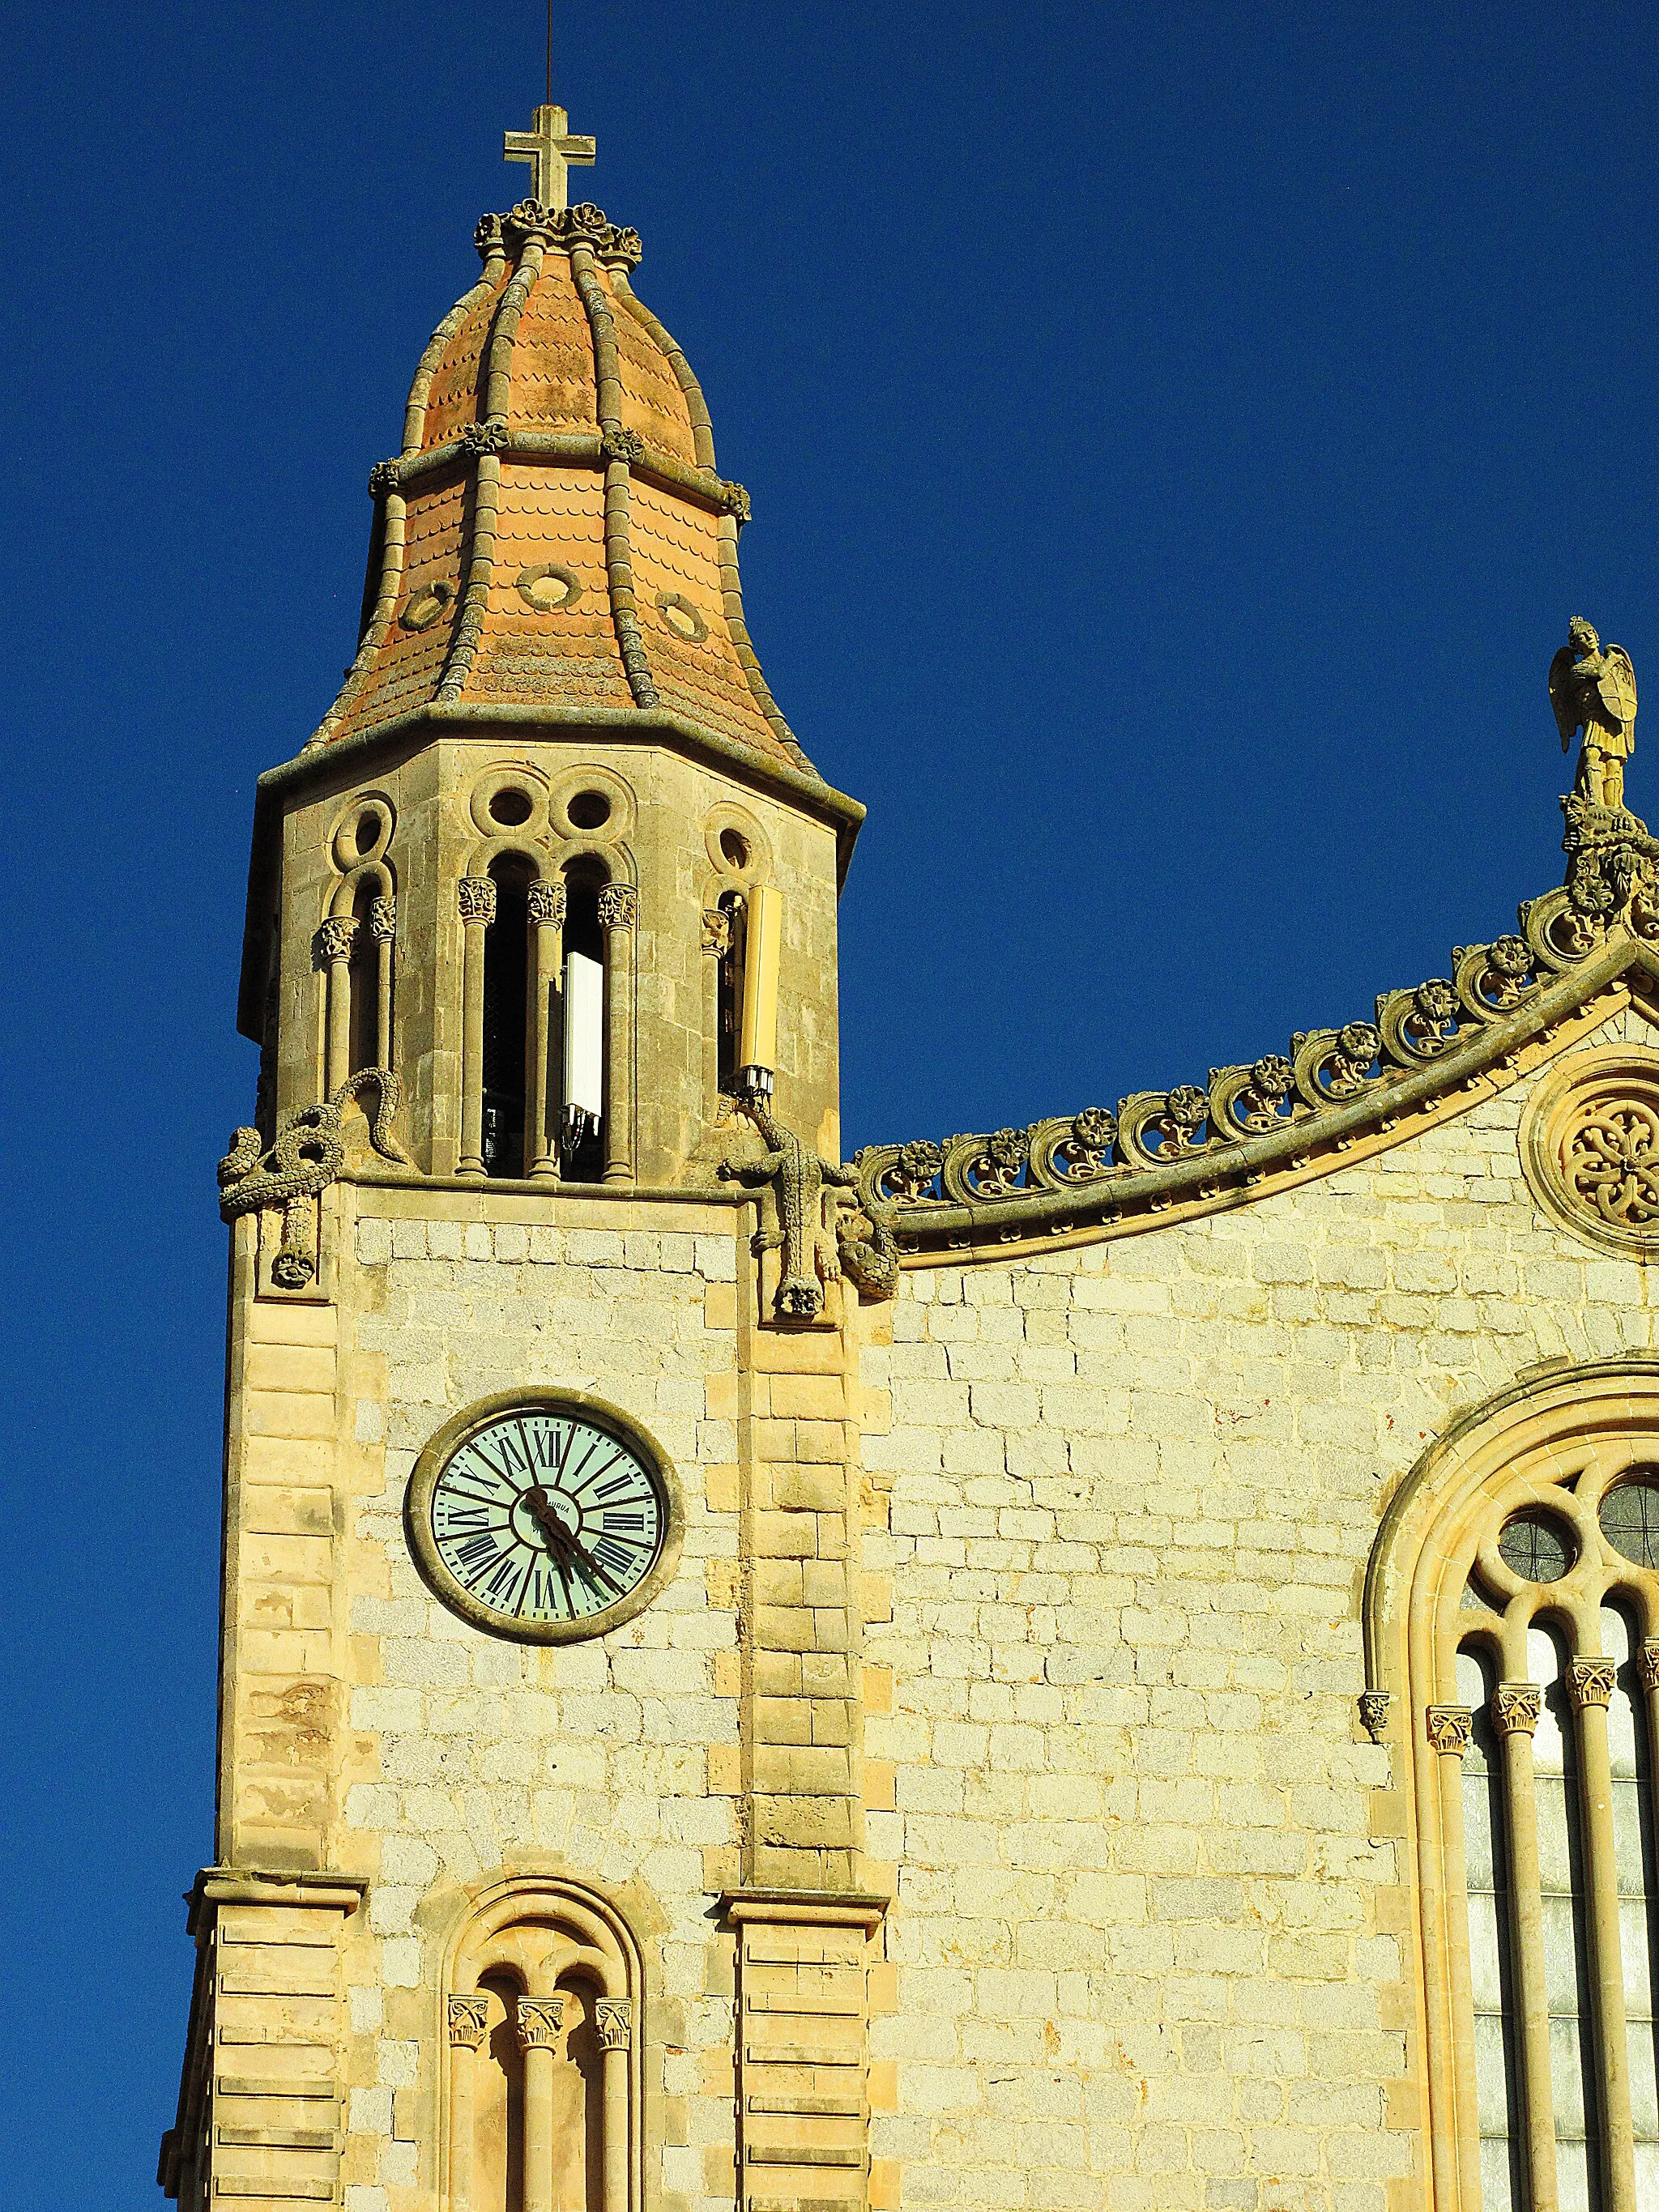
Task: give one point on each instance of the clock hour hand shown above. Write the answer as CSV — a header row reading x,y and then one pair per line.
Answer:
x,y
560,1540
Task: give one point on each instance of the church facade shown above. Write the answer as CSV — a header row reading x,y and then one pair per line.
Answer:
x,y
1110,1664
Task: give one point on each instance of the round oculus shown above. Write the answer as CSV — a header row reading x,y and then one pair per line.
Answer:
x,y
544,1517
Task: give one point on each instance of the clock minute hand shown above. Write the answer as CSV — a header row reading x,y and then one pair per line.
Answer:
x,y
592,1564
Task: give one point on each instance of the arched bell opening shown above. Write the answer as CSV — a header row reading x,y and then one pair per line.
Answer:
x,y
507,1015
583,1088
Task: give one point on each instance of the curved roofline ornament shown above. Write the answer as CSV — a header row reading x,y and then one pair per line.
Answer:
x,y
1199,1148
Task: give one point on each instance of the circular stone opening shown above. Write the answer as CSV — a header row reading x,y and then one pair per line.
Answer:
x,y
589,809
1537,1546
368,831
509,807
1630,1518
734,848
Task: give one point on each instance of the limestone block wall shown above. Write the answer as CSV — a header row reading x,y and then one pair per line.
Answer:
x,y
1154,1944
616,1759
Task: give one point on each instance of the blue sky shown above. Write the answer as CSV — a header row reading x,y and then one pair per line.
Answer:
x,y
1177,438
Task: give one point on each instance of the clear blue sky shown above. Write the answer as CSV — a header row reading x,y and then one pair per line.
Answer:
x,y
1177,437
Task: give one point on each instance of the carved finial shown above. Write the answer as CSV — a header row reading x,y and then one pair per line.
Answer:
x,y
551,148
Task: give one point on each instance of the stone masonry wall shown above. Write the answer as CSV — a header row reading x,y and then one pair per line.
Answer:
x,y
615,1759
1150,1952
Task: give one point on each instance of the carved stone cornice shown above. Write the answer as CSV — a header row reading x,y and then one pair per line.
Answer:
x,y
1591,1681
468,2021
536,2023
547,900
475,897
1516,1707
619,906
1276,1119
1450,1728
613,2017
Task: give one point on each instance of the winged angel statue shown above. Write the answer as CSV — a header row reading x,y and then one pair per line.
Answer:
x,y
1594,689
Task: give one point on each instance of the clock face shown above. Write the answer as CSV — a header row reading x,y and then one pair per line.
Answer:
x,y
543,1519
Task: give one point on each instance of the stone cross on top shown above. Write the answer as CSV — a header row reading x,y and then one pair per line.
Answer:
x,y
552,149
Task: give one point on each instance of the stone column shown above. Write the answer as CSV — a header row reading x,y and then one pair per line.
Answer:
x,y
618,908
537,2030
477,898
383,928
716,947
614,2019
1591,1684
469,2022
334,943
1450,1730
547,912
1515,1710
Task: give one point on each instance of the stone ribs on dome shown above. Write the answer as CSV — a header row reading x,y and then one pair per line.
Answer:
x,y
554,537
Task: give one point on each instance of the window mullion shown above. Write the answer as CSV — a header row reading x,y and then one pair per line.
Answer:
x,y
1515,1710
1591,1682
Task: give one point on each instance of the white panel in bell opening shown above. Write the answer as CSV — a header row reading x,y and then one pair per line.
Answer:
x,y
584,1037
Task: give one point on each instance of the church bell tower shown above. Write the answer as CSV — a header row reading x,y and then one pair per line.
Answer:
x,y
540,1875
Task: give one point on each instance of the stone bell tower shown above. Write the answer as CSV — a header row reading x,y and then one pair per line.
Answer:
x,y
540,1878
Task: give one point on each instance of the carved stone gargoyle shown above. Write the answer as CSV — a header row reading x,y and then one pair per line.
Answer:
x,y
817,1224
308,1153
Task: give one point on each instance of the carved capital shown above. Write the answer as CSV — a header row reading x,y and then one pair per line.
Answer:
x,y
335,939
1647,1660
623,446
716,932
619,906
469,2019
1590,1681
536,2022
614,2019
547,900
1374,1713
477,898
383,919
1450,1727
1515,1708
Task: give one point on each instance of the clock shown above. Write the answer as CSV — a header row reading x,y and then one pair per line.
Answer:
x,y
543,1515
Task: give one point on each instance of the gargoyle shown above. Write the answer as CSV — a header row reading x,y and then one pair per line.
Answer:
x,y
817,1242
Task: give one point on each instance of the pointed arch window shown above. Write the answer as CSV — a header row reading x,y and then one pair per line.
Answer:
x,y
1512,1619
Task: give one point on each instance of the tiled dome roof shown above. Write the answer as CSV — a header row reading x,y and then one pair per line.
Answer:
x,y
553,533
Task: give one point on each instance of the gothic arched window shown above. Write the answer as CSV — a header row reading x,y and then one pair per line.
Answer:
x,y
1513,1650
543,2098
